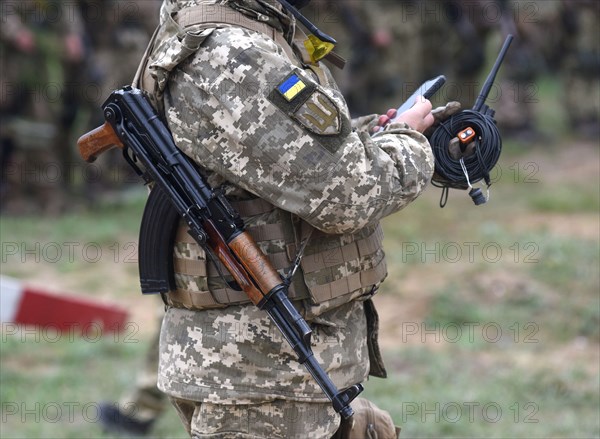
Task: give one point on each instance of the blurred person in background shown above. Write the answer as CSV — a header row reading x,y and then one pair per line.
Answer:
x,y
556,37
65,59
117,33
364,38
141,406
581,66
41,42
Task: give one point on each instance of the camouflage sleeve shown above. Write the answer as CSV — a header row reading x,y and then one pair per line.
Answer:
x,y
365,123
240,108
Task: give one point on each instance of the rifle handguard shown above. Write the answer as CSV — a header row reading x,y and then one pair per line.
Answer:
x,y
255,262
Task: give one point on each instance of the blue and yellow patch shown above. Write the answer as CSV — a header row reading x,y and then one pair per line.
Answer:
x,y
291,87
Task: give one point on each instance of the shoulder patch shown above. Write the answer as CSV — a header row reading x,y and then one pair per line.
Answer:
x,y
319,114
306,103
291,87
303,101
290,93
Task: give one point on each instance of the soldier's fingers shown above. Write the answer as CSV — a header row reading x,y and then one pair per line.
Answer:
x,y
428,121
422,106
445,111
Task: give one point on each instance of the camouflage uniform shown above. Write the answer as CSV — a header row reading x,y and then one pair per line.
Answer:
x,y
10,103
118,32
534,52
371,34
526,61
275,131
423,33
147,401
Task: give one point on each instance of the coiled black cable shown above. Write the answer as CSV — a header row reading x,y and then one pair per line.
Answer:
x,y
478,165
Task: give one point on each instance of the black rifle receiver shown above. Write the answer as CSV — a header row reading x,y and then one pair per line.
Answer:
x,y
212,222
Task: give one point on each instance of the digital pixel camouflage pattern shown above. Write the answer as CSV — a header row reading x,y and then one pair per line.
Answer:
x,y
238,356
232,121
266,125
275,419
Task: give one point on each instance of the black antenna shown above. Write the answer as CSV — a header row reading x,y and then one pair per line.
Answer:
x,y
487,86
306,22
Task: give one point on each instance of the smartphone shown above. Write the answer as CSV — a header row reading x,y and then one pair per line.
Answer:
x,y
427,90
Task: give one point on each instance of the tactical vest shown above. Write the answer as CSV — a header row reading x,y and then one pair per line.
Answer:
x,y
335,269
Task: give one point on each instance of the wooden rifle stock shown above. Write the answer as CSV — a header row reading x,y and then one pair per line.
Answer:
x,y
98,141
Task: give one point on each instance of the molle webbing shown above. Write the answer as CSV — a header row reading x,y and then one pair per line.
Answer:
x,y
320,268
329,269
334,265
191,271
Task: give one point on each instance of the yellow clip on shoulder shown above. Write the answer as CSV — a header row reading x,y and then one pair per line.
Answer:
x,y
317,49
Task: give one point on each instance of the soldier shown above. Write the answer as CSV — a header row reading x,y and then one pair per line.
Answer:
x,y
16,42
581,67
262,118
422,29
529,21
118,33
39,39
533,53
140,407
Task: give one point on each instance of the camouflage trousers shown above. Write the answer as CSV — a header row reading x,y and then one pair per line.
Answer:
x,y
280,419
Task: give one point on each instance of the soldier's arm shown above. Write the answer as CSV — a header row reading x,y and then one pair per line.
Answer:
x,y
240,108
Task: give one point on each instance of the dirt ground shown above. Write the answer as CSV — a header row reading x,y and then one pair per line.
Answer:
x,y
577,164
571,164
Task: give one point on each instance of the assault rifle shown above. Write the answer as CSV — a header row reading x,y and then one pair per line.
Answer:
x,y
133,125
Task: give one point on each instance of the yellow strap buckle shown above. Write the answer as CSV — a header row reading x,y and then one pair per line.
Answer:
x,y
317,49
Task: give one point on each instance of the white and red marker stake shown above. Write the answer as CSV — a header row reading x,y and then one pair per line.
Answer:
x,y
29,305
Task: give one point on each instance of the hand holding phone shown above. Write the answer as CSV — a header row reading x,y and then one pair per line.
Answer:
x,y
427,90
421,119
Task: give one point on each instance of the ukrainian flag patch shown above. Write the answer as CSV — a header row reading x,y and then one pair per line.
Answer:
x,y
291,87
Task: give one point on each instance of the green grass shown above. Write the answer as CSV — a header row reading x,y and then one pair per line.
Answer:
x,y
52,385
567,199
542,294
102,223
457,393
